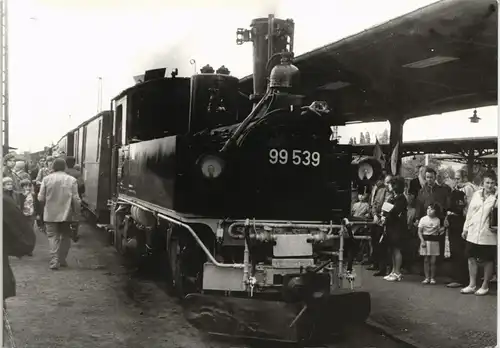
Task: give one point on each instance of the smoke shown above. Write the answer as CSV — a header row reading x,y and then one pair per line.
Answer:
x,y
264,8
207,35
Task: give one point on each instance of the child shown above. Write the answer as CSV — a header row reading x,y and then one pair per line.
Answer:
x,y
429,230
361,209
27,201
8,187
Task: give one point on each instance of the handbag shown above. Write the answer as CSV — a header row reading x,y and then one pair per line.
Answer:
x,y
493,217
447,250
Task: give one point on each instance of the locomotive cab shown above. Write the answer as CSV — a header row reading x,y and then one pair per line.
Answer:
x,y
213,99
157,108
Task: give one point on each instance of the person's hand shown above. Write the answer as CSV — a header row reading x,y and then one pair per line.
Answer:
x,y
441,230
464,234
446,223
375,219
423,244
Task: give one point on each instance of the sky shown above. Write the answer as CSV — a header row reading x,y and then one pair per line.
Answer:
x,y
59,48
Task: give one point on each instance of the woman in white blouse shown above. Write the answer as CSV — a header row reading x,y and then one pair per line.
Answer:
x,y
481,238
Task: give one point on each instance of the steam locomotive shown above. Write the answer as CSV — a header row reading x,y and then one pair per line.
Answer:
x,y
248,202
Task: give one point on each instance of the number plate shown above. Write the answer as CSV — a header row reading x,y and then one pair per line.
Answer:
x,y
295,157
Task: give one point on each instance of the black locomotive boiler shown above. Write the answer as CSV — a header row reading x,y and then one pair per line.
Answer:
x,y
248,202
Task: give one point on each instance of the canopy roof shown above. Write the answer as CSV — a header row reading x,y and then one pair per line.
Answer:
x,y
448,146
440,58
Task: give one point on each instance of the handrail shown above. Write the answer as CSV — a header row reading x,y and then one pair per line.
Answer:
x,y
193,233
200,243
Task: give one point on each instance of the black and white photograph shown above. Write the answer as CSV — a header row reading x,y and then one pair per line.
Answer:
x,y
249,174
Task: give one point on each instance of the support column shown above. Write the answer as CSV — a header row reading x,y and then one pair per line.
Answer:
x,y
470,164
396,136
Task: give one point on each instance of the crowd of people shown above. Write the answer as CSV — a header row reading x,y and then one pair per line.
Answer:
x,y
431,219
45,196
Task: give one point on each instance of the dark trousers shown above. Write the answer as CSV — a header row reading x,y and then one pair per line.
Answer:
x,y
457,249
411,246
351,248
380,249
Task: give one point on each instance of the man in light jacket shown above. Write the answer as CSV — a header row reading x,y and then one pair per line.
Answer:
x,y
59,192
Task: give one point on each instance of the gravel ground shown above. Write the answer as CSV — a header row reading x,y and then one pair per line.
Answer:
x,y
99,302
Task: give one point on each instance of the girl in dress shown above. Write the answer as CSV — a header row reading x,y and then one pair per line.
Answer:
x,y
429,230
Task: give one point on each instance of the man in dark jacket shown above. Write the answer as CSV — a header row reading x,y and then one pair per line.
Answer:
x,y
75,173
459,200
431,193
417,183
18,240
380,254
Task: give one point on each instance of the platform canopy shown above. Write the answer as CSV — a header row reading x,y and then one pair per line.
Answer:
x,y
437,59
492,156
455,146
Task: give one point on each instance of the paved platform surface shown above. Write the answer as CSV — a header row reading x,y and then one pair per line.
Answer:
x,y
433,316
98,302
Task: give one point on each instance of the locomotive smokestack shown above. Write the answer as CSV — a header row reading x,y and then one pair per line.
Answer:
x,y
270,36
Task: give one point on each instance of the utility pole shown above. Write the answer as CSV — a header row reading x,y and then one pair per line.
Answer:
x,y
99,94
4,76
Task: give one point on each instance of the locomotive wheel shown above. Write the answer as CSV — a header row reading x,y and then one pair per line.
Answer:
x,y
119,238
177,277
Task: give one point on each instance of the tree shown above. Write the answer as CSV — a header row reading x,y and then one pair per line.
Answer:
x,y
362,138
477,173
409,167
384,137
367,138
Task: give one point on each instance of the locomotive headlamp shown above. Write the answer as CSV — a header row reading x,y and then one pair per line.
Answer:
x,y
211,166
365,171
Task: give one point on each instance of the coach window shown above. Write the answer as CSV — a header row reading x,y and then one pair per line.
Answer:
x,y
76,146
84,147
99,135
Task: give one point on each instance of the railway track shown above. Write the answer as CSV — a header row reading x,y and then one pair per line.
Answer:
x,y
144,286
